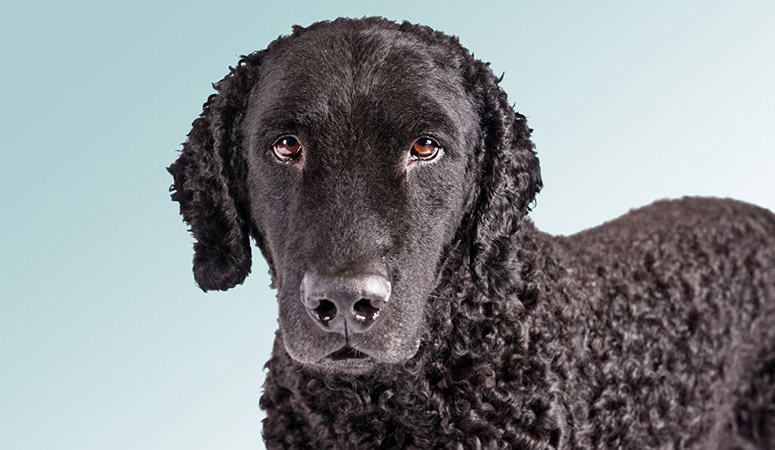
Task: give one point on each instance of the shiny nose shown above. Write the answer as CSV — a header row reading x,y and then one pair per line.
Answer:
x,y
345,302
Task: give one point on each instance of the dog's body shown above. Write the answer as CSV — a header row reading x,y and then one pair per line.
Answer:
x,y
651,331
664,346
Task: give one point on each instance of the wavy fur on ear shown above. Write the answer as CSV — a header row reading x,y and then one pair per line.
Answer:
x,y
510,180
209,178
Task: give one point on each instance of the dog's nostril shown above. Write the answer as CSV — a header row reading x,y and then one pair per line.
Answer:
x,y
345,301
365,312
325,312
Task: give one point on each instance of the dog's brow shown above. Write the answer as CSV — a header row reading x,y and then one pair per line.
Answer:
x,y
419,114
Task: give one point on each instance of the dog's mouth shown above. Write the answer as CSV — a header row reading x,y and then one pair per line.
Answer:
x,y
347,360
347,353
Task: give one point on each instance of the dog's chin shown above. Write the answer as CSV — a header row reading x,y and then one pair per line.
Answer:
x,y
348,360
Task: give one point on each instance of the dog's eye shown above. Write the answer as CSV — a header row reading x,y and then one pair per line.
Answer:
x,y
287,148
424,149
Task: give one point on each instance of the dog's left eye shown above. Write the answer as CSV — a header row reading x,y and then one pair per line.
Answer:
x,y
287,148
424,149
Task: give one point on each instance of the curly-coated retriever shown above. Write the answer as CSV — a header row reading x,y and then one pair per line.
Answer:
x,y
386,179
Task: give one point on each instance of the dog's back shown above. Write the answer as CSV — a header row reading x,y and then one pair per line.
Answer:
x,y
678,321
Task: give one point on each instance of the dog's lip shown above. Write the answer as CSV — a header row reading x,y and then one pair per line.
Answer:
x,y
347,353
347,360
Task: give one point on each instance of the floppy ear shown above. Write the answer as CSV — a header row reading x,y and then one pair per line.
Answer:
x,y
209,182
509,181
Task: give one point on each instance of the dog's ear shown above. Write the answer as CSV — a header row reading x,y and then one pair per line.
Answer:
x,y
510,178
209,182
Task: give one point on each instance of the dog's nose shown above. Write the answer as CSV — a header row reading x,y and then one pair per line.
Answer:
x,y
347,301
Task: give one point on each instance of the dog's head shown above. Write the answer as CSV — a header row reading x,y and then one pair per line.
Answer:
x,y
358,154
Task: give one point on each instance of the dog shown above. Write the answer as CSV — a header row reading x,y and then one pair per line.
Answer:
x,y
387,181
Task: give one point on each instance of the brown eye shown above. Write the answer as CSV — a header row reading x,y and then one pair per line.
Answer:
x,y
424,149
287,148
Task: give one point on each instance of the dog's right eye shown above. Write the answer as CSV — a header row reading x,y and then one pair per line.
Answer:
x,y
287,148
424,149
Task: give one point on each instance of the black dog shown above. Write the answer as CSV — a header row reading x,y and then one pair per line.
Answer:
x,y
386,179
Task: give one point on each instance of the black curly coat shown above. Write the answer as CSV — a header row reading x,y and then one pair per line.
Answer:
x,y
651,331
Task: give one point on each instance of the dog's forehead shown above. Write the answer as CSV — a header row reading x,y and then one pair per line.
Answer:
x,y
360,61
358,73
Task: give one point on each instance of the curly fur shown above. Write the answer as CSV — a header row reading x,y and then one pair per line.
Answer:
x,y
650,331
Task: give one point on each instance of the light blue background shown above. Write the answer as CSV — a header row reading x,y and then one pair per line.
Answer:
x,y
105,342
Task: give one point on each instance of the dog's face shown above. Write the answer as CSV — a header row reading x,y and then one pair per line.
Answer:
x,y
350,153
377,131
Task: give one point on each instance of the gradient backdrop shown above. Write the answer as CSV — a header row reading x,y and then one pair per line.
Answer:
x,y
105,342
